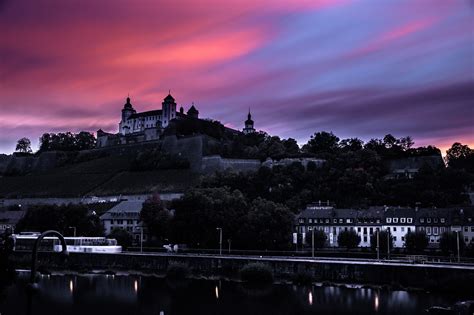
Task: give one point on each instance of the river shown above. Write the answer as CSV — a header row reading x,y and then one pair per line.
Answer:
x,y
117,295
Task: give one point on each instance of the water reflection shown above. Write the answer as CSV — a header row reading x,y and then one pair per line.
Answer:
x,y
376,303
152,296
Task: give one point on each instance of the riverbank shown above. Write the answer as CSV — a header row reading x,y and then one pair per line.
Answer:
x,y
394,275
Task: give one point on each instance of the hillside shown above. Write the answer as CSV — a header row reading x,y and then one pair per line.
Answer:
x,y
103,176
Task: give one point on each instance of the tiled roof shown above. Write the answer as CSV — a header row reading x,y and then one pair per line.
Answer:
x,y
125,210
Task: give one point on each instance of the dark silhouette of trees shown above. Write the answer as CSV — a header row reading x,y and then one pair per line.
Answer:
x,y
156,218
51,217
123,237
322,142
385,239
416,242
448,243
460,156
348,239
67,141
319,239
23,146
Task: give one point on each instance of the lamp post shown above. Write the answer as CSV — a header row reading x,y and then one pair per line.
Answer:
x,y
220,240
229,241
378,245
74,230
388,243
457,240
312,242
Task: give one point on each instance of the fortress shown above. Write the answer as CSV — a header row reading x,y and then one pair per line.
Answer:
x,y
137,127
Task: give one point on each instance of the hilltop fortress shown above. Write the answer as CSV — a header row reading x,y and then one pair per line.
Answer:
x,y
137,127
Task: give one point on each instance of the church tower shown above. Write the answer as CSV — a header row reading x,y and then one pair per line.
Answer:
x,y
248,125
127,111
169,110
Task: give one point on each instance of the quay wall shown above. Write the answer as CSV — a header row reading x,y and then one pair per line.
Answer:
x,y
398,274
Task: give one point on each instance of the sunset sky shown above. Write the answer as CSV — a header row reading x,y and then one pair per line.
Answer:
x,y
357,68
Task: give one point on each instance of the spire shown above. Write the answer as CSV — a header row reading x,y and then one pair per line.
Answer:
x,y
249,115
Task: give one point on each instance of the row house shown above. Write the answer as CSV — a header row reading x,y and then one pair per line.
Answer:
x,y
398,221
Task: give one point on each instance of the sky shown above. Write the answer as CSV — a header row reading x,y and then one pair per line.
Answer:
x,y
357,68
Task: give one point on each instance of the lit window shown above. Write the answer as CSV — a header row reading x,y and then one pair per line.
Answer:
x,y
403,229
402,220
395,220
409,220
428,230
389,220
435,230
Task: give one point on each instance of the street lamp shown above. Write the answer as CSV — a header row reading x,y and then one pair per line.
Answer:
x,y
312,242
457,240
229,241
74,229
388,243
378,245
220,240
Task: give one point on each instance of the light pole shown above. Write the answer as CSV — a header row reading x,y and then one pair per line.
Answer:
x,y
141,239
459,255
388,243
229,241
74,230
378,245
312,242
220,240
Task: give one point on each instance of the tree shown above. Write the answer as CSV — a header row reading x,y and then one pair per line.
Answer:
x,y
322,142
460,156
383,236
23,145
349,239
416,242
123,237
352,144
448,243
156,218
200,211
319,238
84,141
268,225
61,218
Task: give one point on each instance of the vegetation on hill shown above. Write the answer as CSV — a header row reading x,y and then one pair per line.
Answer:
x,y
67,141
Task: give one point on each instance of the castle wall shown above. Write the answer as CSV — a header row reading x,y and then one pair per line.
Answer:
x,y
215,163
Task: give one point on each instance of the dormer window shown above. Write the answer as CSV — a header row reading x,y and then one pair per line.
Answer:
x,y
409,220
428,220
389,220
402,220
422,220
395,220
443,220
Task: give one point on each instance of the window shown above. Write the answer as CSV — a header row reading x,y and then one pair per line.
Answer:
x,y
409,230
310,220
348,220
402,220
301,220
466,229
472,228
395,220
409,220
371,231
327,220
341,220
422,228
365,230
394,228
435,230
334,220
358,229
119,221
435,220
403,238
466,239
402,229
394,238
365,239
428,230
378,221
422,220
441,230
389,220
443,220
428,220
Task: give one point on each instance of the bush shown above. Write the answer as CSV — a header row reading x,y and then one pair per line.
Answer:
x,y
256,273
319,239
303,278
177,271
348,239
123,237
416,242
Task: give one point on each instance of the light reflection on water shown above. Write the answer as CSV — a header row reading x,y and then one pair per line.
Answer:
x,y
147,295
